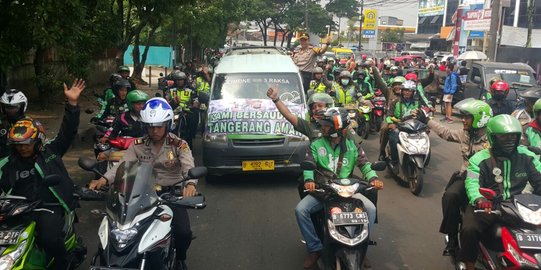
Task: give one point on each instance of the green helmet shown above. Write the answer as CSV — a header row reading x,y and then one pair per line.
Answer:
x,y
479,110
502,124
136,96
320,97
398,79
123,68
536,107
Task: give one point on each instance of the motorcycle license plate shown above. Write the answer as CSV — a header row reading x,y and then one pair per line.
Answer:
x,y
9,237
258,165
349,218
529,240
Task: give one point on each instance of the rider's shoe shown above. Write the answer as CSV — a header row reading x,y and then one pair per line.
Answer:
x,y
311,260
452,246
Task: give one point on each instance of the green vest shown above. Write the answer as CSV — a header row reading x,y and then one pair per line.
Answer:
x,y
344,95
201,85
402,109
184,97
533,136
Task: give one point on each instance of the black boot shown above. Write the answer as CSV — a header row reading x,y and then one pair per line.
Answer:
x,y
452,246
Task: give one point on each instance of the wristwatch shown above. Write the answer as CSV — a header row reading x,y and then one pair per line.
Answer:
x,y
276,100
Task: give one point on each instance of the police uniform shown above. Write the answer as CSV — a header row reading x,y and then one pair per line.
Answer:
x,y
171,164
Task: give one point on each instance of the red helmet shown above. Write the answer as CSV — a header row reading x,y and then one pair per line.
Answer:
x,y
500,86
411,77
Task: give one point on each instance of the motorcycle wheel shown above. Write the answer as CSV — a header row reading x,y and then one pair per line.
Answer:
x,y
377,122
416,181
363,130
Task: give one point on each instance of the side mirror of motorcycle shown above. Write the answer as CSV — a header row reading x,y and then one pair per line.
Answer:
x,y
52,180
488,193
197,172
161,74
378,166
87,164
309,93
308,165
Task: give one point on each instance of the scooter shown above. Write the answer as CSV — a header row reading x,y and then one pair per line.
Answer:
x,y
136,231
343,224
18,248
516,242
378,110
413,154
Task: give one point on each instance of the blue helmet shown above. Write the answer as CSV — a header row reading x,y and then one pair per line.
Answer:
x,y
157,112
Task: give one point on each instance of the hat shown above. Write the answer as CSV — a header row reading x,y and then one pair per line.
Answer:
x,y
304,36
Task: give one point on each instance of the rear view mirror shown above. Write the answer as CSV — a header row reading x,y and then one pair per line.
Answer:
x,y
308,165
52,180
477,80
161,74
87,164
197,172
488,193
378,166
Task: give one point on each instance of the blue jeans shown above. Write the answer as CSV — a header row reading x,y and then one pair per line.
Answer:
x,y
393,144
310,205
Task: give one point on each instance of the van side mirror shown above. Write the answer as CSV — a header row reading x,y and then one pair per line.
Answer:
x,y
197,172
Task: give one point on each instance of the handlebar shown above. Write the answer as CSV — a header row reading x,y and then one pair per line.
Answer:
x,y
495,212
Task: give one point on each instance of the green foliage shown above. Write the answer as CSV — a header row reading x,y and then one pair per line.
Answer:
x,y
392,35
343,8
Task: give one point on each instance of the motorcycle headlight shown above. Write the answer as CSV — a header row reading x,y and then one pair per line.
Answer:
x,y
532,217
345,191
416,144
216,138
123,236
7,261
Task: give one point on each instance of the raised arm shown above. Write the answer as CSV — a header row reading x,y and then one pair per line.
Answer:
x,y
272,93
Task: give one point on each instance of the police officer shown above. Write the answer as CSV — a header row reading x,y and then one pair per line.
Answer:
x,y
320,83
202,86
181,95
171,157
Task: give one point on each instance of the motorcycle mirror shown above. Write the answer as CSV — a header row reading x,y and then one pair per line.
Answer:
x,y
87,164
161,74
488,193
308,165
378,166
52,180
197,172
309,93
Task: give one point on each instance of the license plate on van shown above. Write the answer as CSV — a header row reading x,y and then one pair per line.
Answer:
x,y
258,165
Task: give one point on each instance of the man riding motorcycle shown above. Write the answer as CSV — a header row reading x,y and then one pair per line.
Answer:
x,y
505,167
181,95
404,107
472,139
317,104
320,84
13,105
395,93
129,123
334,155
532,134
22,173
171,157
116,105
124,72
498,102
345,91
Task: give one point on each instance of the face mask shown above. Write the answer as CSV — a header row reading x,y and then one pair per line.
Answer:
x,y
345,82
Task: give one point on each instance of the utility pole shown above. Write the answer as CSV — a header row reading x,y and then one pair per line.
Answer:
x,y
361,25
494,27
306,16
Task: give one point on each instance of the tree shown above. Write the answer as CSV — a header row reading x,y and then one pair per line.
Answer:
x,y
531,14
318,18
394,35
343,8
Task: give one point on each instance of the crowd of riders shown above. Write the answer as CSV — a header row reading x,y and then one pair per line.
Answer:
x,y
497,149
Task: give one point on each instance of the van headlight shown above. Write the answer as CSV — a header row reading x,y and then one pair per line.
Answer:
x,y
7,261
345,191
215,138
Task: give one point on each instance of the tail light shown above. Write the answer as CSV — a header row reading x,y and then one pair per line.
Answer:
x,y
513,253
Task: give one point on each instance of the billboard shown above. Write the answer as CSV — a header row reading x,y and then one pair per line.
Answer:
x,y
431,7
478,20
370,23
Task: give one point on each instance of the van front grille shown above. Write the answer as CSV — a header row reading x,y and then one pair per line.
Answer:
x,y
259,142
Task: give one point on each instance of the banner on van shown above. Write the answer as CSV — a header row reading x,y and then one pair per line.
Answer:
x,y
250,116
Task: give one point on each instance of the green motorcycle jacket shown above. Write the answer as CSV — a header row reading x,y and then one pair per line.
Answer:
x,y
326,158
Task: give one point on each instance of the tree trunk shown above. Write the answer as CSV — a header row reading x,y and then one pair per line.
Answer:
x,y
289,37
136,56
39,65
138,68
275,34
284,38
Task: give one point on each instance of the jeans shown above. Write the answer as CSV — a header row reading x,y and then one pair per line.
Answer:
x,y
310,205
393,144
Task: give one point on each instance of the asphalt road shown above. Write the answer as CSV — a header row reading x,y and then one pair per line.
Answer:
x,y
249,222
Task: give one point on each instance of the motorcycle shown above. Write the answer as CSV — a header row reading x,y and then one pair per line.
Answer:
x,y
378,111
102,127
359,113
516,242
342,225
413,154
136,231
18,248
116,148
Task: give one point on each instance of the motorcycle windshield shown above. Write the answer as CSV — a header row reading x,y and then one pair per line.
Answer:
x,y
412,126
132,192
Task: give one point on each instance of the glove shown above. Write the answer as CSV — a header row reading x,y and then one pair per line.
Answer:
x,y
483,204
421,116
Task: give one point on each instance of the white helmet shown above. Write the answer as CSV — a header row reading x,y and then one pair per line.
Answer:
x,y
411,85
157,112
14,97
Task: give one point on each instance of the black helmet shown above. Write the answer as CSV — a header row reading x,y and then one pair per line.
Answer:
x,y
337,119
122,83
178,76
114,77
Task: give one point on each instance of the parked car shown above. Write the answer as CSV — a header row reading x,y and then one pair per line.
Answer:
x,y
519,77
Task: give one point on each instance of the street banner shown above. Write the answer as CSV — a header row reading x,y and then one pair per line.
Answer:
x,y
370,19
250,116
477,20
431,7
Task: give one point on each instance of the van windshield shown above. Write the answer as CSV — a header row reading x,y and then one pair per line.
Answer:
x,y
511,75
255,86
